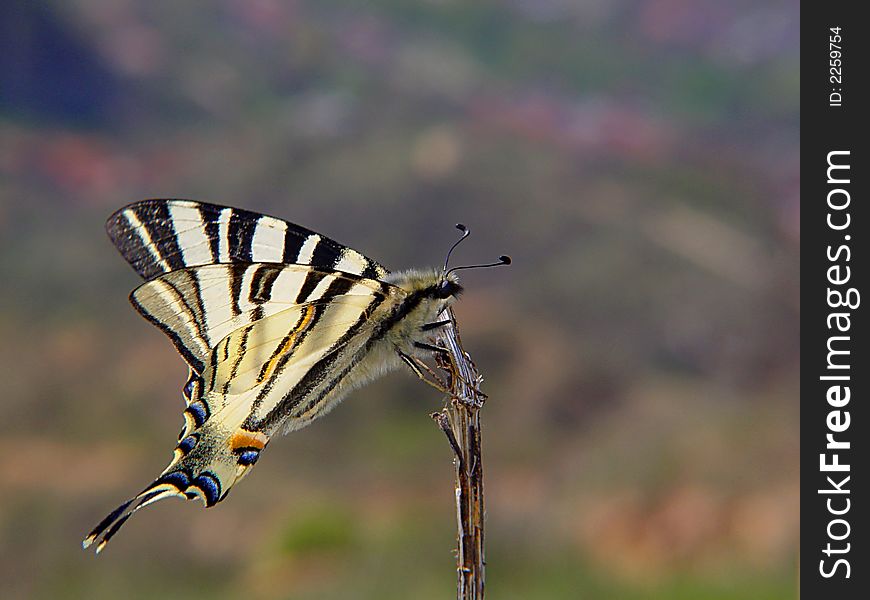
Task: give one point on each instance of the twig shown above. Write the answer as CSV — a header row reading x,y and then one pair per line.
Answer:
x,y
460,421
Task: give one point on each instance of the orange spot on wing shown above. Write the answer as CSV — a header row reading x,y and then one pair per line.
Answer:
x,y
248,439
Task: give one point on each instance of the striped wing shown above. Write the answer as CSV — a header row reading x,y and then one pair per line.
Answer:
x,y
159,236
210,313
269,316
264,362
199,306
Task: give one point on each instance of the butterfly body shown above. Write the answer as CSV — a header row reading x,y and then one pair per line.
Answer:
x,y
277,324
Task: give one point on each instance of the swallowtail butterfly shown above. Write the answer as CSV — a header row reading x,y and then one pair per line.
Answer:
x,y
277,324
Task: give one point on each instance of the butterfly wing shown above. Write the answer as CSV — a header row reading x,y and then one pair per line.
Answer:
x,y
197,307
277,361
219,279
162,235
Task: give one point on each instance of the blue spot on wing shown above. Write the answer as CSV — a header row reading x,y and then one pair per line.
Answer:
x,y
179,479
188,389
187,444
248,457
210,486
199,412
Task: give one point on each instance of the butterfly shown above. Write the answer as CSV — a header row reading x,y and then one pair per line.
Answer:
x,y
277,323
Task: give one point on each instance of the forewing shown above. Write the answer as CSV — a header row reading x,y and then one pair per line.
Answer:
x,y
163,235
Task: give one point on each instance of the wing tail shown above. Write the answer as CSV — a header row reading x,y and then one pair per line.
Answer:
x,y
113,522
206,465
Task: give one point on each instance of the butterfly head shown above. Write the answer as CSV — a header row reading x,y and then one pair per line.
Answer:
x,y
442,287
429,285
447,288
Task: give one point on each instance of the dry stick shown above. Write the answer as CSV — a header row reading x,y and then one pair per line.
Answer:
x,y
460,421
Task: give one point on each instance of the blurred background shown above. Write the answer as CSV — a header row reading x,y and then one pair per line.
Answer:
x,y
637,158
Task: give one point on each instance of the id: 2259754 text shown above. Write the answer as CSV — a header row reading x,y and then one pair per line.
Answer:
x,y
835,69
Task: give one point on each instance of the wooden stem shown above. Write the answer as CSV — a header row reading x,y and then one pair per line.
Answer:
x,y
460,422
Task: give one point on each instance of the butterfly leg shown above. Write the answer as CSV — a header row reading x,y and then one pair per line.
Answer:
x,y
432,348
435,325
420,369
444,353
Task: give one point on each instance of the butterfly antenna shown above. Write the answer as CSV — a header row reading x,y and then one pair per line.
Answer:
x,y
502,260
465,233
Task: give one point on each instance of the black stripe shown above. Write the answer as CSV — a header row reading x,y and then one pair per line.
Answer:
x,y
257,313
312,278
243,345
241,234
254,289
340,285
261,284
371,271
260,290
292,244
236,274
157,221
200,306
324,255
195,364
269,280
211,226
214,368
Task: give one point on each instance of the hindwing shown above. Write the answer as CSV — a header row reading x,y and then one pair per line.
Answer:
x,y
199,306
